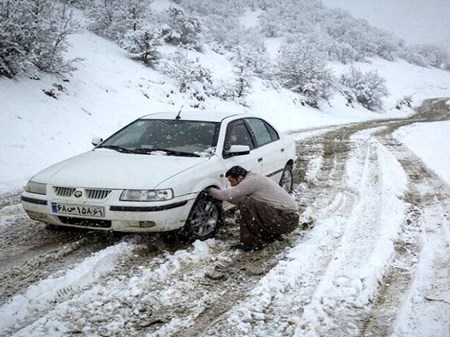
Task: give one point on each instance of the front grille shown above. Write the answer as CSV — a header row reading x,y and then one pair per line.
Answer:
x,y
94,223
97,194
91,193
64,191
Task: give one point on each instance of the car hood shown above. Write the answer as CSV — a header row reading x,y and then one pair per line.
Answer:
x,y
113,170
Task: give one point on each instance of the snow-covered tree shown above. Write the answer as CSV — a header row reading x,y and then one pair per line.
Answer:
x,y
188,73
222,32
104,17
357,38
226,8
33,34
427,55
81,4
367,88
271,22
58,25
114,18
143,45
182,30
302,68
135,13
242,72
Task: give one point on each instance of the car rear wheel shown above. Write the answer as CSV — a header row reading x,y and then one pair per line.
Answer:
x,y
287,178
204,220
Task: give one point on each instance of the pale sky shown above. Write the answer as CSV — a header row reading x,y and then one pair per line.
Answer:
x,y
413,20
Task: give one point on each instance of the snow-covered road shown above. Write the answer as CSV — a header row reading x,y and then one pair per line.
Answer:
x,y
370,259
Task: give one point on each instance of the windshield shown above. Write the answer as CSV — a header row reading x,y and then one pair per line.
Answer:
x,y
168,137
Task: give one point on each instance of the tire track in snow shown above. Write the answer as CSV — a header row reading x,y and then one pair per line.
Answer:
x,y
415,289
246,270
266,310
29,252
161,297
274,306
342,297
292,297
24,309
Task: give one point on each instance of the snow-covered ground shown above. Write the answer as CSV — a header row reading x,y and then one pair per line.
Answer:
x,y
377,254
430,142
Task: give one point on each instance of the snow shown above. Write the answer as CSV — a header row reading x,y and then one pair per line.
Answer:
x,y
108,91
352,277
43,294
427,141
250,18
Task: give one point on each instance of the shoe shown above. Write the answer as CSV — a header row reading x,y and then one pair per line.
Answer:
x,y
247,247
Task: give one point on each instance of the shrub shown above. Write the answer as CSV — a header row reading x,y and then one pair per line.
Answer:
x,y
187,72
427,55
405,101
33,35
302,69
182,30
368,88
142,45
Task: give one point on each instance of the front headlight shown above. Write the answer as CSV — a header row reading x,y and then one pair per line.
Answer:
x,y
37,188
146,195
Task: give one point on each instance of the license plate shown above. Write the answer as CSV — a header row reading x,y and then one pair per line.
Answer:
x,y
94,211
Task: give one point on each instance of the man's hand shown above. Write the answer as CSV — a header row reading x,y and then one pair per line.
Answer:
x,y
207,192
210,189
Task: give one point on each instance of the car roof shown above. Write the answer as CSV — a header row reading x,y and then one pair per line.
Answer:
x,y
203,115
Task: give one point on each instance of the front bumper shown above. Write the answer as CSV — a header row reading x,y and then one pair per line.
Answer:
x,y
133,217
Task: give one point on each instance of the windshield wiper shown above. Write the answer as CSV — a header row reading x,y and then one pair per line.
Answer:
x,y
115,147
167,151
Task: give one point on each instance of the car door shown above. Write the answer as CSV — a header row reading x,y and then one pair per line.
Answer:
x,y
270,151
238,133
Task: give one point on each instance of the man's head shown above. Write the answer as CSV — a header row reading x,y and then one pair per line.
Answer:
x,y
236,174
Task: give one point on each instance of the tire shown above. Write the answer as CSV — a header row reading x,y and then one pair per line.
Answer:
x,y
205,218
287,178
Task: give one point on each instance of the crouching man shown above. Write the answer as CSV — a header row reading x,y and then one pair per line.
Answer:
x,y
266,209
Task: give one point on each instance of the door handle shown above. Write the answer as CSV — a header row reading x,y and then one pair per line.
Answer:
x,y
260,160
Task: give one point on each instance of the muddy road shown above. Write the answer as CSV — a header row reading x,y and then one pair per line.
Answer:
x,y
369,258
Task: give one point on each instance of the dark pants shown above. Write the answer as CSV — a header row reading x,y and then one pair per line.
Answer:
x,y
258,221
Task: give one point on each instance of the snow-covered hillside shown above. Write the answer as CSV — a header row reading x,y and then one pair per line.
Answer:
x,y
51,118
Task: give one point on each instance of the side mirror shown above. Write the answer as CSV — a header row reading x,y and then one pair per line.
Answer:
x,y
238,150
96,140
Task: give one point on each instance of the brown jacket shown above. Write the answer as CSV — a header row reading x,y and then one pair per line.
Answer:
x,y
259,188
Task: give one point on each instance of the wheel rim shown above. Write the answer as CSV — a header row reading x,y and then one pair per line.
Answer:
x,y
286,180
204,218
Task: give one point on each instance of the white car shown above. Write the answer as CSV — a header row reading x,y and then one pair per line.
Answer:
x,y
150,175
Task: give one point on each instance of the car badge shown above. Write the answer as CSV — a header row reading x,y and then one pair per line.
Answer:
x,y
78,194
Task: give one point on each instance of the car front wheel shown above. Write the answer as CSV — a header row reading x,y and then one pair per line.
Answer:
x,y
204,219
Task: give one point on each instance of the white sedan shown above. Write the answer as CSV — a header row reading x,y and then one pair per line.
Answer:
x,y
151,175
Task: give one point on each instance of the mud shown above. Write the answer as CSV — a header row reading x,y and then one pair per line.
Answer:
x,y
204,290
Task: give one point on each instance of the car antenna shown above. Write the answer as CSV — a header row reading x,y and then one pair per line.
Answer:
x,y
179,112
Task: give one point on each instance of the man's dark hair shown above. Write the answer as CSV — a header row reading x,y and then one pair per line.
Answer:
x,y
236,171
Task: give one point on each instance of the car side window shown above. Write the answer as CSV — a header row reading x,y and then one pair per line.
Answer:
x,y
273,133
261,131
238,134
